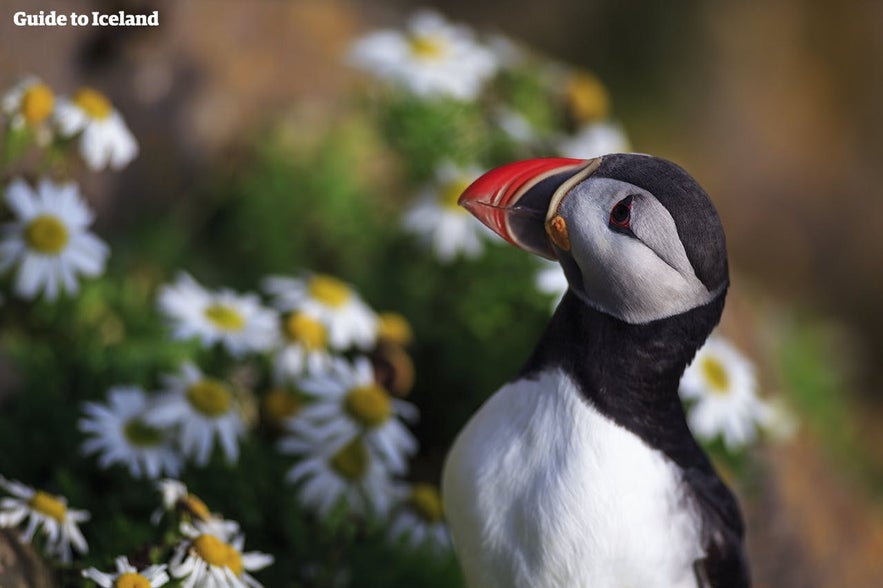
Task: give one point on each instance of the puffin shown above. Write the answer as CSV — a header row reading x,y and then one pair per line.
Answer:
x,y
581,471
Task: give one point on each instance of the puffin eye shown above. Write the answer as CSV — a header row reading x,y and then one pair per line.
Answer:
x,y
621,215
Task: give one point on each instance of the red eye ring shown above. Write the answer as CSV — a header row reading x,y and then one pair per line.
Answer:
x,y
621,214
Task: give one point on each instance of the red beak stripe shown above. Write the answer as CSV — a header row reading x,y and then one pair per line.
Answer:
x,y
493,194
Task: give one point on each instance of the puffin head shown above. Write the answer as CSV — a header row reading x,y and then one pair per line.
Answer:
x,y
637,237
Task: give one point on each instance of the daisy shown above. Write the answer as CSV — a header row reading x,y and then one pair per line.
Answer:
x,y
420,518
29,104
128,575
394,328
348,321
587,98
209,557
432,58
105,140
49,239
59,522
202,408
237,321
119,434
550,279
436,218
304,347
349,403
721,383
593,140
176,496
347,471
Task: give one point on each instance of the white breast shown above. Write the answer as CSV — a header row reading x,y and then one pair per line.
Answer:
x,y
543,491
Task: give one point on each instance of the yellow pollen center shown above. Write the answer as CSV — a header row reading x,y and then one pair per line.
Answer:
x,y
427,502
351,462
131,580
48,505
217,553
93,103
46,234
329,290
394,328
225,317
140,434
587,98
427,47
37,103
450,194
210,397
716,375
369,405
305,330
196,507
280,404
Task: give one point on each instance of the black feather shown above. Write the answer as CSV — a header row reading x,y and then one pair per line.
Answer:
x,y
630,373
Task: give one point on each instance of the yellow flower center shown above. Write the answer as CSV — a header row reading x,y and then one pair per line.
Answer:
x,y
369,405
131,580
427,502
427,47
351,462
217,553
306,330
46,234
225,317
210,397
48,505
394,328
450,194
280,405
715,374
93,103
140,434
587,98
37,103
196,507
329,290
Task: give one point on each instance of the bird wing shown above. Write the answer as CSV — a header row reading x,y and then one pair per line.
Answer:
x,y
724,564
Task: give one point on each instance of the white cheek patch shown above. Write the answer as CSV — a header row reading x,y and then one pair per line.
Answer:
x,y
637,278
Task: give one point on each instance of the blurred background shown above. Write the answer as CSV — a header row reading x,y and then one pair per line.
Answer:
x,y
772,106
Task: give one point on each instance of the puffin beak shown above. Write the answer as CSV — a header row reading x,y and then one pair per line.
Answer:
x,y
519,201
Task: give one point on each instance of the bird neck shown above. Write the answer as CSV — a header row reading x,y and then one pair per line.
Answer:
x,y
630,373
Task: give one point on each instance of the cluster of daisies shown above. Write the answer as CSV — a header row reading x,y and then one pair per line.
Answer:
x,y
337,371
206,549
34,110
433,60
47,238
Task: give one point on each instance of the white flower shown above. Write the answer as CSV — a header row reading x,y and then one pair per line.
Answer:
x,y
129,576
175,495
237,321
436,218
49,239
550,279
212,558
419,519
515,125
329,473
778,420
349,403
433,58
304,348
105,140
347,319
593,140
201,408
722,384
29,104
44,510
120,435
